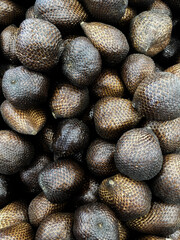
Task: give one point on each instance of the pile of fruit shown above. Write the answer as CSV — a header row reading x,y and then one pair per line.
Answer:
x,y
90,120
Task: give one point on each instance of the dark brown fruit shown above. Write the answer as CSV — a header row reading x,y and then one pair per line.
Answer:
x,y
108,84
29,175
46,138
168,133
65,14
56,226
40,208
39,44
24,88
21,231
81,62
29,121
16,152
30,13
60,180
158,97
106,11
175,69
160,7
123,232
68,101
9,12
129,14
135,68
89,192
4,190
110,41
95,221
141,3
72,136
166,185
113,116
13,213
8,43
150,32
162,220
129,198
138,154
100,158
149,237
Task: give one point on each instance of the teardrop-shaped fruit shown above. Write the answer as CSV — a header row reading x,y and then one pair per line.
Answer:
x,y
29,121
24,88
13,213
138,154
40,208
4,190
166,185
95,221
39,44
72,136
100,158
160,7
150,32
8,43
106,11
29,175
110,41
129,198
46,138
21,231
108,84
16,152
65,14
168,133
56,226
60,180
175,69
135,68
81,62
112,116
162,220
158,97
68,101
9,12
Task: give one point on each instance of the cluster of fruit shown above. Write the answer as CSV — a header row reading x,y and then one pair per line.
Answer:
x,y
90,119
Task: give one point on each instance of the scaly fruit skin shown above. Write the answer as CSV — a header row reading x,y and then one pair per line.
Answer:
x,y
158,97
107,11
129,198
110,41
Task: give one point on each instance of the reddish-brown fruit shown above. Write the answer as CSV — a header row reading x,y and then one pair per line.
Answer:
x,y
13,213
65,14
108,84
29,175
129,198
29,121
150,32
113,116
100,158
166,185
158,97
135,68
8,43
39,44
16,152
162,220
21,231
61,180
56,226
68,101
110,41
40,208
95,221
